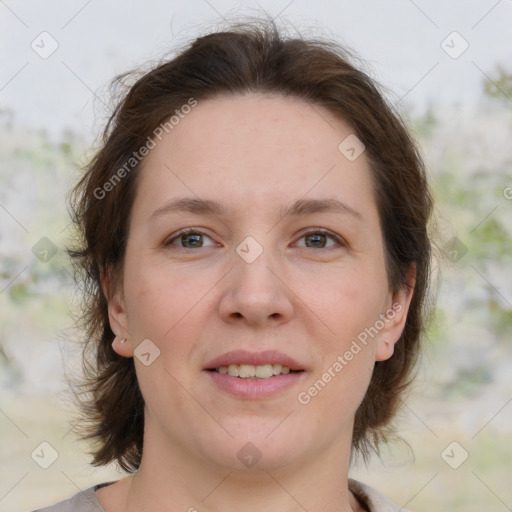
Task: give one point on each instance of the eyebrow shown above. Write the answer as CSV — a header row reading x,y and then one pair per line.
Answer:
x,y
213,208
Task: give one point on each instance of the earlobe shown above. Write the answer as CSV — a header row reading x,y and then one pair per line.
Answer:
x,y
118,324
385,350
122,347
117,316
395,317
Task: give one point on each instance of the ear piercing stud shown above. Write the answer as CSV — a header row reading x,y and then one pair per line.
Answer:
x,y
123,340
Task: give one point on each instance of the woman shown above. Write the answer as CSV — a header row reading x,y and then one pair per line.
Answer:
x,y
253,241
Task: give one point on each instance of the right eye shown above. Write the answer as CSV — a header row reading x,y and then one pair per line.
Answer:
x,y
190,238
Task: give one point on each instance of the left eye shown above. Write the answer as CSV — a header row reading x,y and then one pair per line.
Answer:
x,y
318,239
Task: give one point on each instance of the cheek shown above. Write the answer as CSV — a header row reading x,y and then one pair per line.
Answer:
x,y
171,308
160,300
150,310
348,301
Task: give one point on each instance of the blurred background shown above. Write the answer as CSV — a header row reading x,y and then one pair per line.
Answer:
x,y
447,66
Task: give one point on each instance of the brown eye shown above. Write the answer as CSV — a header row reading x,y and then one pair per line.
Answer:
x,y
188,239
319,239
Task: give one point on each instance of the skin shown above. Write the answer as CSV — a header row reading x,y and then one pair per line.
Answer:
x,y
254,154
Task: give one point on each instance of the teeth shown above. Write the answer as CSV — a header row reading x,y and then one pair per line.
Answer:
x,y
264,371
233,370
249,371
246,371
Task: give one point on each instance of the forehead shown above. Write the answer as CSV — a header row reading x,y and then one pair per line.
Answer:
x,y
256,148
272,121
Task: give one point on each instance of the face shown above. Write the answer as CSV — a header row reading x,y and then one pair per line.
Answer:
x,y
281,263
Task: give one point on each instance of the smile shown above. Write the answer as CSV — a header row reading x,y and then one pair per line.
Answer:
x,y
249,371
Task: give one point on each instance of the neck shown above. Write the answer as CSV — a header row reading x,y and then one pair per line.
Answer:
x,y
178,479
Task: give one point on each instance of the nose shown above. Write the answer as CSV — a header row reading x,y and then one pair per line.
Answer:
x,y
257,293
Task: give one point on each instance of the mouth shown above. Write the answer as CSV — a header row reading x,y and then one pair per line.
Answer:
x,y
249,371
255,375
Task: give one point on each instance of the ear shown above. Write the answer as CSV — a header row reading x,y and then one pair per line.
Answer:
x,y
117,316
395,316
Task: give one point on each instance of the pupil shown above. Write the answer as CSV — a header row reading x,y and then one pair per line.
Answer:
x,y
195,239
315,239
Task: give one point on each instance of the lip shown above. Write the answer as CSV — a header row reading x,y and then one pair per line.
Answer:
x,y
254,358
254,389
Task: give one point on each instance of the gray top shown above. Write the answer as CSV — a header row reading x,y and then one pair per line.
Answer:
x,y
86,501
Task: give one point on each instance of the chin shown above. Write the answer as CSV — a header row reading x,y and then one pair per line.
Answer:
x,y
263,448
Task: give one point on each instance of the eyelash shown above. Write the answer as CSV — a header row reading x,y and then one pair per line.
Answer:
x,y
317,231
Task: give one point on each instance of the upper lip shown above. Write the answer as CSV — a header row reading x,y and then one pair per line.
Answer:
x,y
253,358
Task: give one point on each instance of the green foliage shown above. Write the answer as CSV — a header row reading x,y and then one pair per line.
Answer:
x,y
425,125
499,86
19,293
500,319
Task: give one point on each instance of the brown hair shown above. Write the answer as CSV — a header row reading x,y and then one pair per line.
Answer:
x,y
246,57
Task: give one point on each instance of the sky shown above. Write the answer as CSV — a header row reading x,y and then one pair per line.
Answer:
x,y
58,57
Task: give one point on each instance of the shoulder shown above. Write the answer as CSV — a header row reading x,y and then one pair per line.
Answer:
x,y
83,501
373,499
86,501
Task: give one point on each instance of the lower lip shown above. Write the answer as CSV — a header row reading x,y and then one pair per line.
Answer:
x,y
255,388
